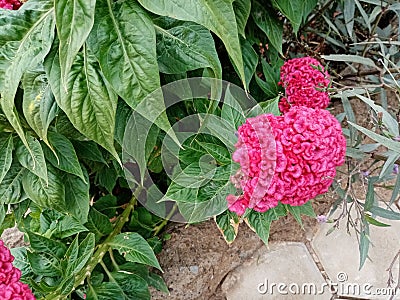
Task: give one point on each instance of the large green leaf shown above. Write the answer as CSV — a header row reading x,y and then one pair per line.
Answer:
x,y
74,20
185,46
45,195
39,105
63,155
6,148
26,37
134,248
250,60
295,10
268,22
33,161
217,15
123,40
90,103
11,185
44,264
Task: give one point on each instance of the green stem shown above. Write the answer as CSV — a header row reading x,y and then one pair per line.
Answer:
x,y
165,221
102,249
115,265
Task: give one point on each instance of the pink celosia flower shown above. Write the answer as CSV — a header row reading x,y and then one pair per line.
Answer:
x,y
308,146
16,291
10,4
255,152
10,286
305,83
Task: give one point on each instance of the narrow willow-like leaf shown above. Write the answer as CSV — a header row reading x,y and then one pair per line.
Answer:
x,y
90,103
123,40
217,15
26,38
74,20
39,105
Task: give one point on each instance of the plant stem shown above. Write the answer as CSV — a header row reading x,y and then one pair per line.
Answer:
x,y
102,249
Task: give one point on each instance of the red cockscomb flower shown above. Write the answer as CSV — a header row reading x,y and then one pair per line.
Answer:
x,y
308,146
305,82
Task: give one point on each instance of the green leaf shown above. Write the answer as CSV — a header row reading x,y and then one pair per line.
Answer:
x,y
90,103
131,286
271,74
74,20
228,224
34,160
158,282
350,58
231,110
375,222
271,106
364,244
134,248
295,10
11,185
20,260
242,10
107,205
387,119
185,46
266,19
45,264
348,13
107,178
67,226
384,213
26,38
44,245
98,223
217,16
250,60
261,222
45,195
77,198
392,145
88,150
79,254
63,155
123,39
297,211
6,148
39,105
105,291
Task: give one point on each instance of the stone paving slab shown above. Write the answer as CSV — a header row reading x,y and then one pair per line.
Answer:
x,y
288,267
338,253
